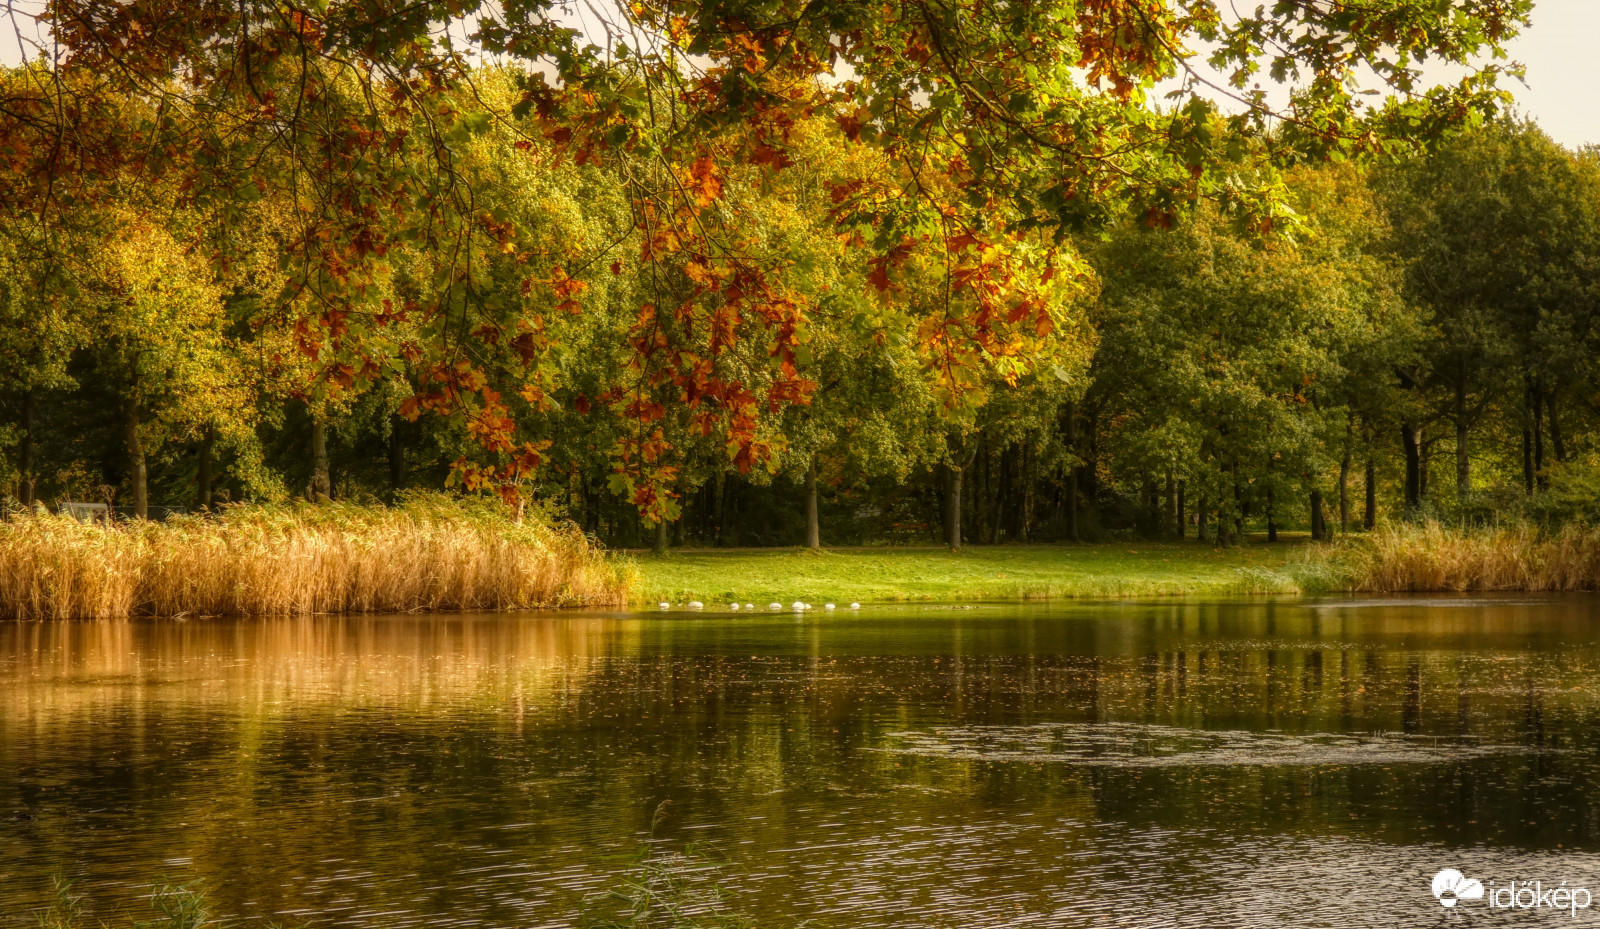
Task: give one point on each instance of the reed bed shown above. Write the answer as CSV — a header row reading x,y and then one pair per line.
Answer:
x,y
1432,557
431,553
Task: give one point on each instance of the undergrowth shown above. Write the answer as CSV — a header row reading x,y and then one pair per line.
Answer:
x,y
1431,557
430,553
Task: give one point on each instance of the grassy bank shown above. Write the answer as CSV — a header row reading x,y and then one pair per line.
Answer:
x,y
432,553
979,573
1402,558
438,553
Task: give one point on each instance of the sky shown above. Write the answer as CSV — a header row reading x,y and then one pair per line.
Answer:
x,y
1563,62
1560,52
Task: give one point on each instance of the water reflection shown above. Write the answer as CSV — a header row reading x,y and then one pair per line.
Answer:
x,y
1280,762
1133,745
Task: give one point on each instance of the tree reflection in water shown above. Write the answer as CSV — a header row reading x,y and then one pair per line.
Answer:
x,y
1038,765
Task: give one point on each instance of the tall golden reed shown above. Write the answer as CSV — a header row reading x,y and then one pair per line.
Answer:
x,y
432,553
1431,557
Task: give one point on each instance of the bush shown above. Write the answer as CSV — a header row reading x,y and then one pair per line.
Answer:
x,y
1432,557
432,552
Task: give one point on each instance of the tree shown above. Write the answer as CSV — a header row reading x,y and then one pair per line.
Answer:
x,y
1499,231
1226,363
157,314
1002,122
38,333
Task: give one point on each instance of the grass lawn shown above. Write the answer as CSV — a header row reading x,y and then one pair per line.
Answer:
x,y
979,573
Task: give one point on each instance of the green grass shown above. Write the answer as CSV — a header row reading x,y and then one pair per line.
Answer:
x,y
177,906
979,573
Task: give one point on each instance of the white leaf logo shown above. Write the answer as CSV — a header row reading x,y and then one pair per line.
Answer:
x,y
1451,885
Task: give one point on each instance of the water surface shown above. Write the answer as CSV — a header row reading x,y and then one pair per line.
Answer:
x,y
1294,763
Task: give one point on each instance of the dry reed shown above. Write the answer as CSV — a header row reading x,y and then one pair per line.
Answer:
x,y
431,553
1431,557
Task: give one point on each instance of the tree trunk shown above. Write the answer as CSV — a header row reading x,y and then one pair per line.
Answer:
x,y
1029,508
994,483
994,474
202,479
1463,463
1018,490
813,527
1424,465
1230,524
1319,518
1229,508
1411,438
1527,460
660,547
321,488
1072,474
1272,519
1000,511
1557,443
1538,437
1172,508
720,504
977,495
1200,520
1178,525
1073,532
25,478
681,525
137,474
1003,522
591,509
950,477
1369,517
1344,492
397,466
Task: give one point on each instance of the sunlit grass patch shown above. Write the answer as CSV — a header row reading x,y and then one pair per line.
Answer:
x,y
991,573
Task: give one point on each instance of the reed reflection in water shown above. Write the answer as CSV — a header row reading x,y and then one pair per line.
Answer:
x,y
1283,763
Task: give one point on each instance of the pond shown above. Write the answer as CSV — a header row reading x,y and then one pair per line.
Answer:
x,y
1260,763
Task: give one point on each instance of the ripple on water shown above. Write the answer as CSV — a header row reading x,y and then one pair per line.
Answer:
x,y
1040,872
1141,745
1430,603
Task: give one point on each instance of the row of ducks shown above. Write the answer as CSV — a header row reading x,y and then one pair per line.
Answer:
x,y
799,606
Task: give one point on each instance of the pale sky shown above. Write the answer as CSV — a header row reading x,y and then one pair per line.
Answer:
x,y
1560,52
1563,62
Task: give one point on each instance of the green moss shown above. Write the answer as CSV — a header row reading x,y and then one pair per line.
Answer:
x,y
986,573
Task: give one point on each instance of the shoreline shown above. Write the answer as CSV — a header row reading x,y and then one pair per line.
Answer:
x,y
434,554
1393,559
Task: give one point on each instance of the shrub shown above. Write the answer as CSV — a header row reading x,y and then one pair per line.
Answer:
x,y
1432,557
430,553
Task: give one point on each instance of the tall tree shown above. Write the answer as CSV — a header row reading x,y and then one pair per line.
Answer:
x,y
1498,230
1000,120
1226,362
